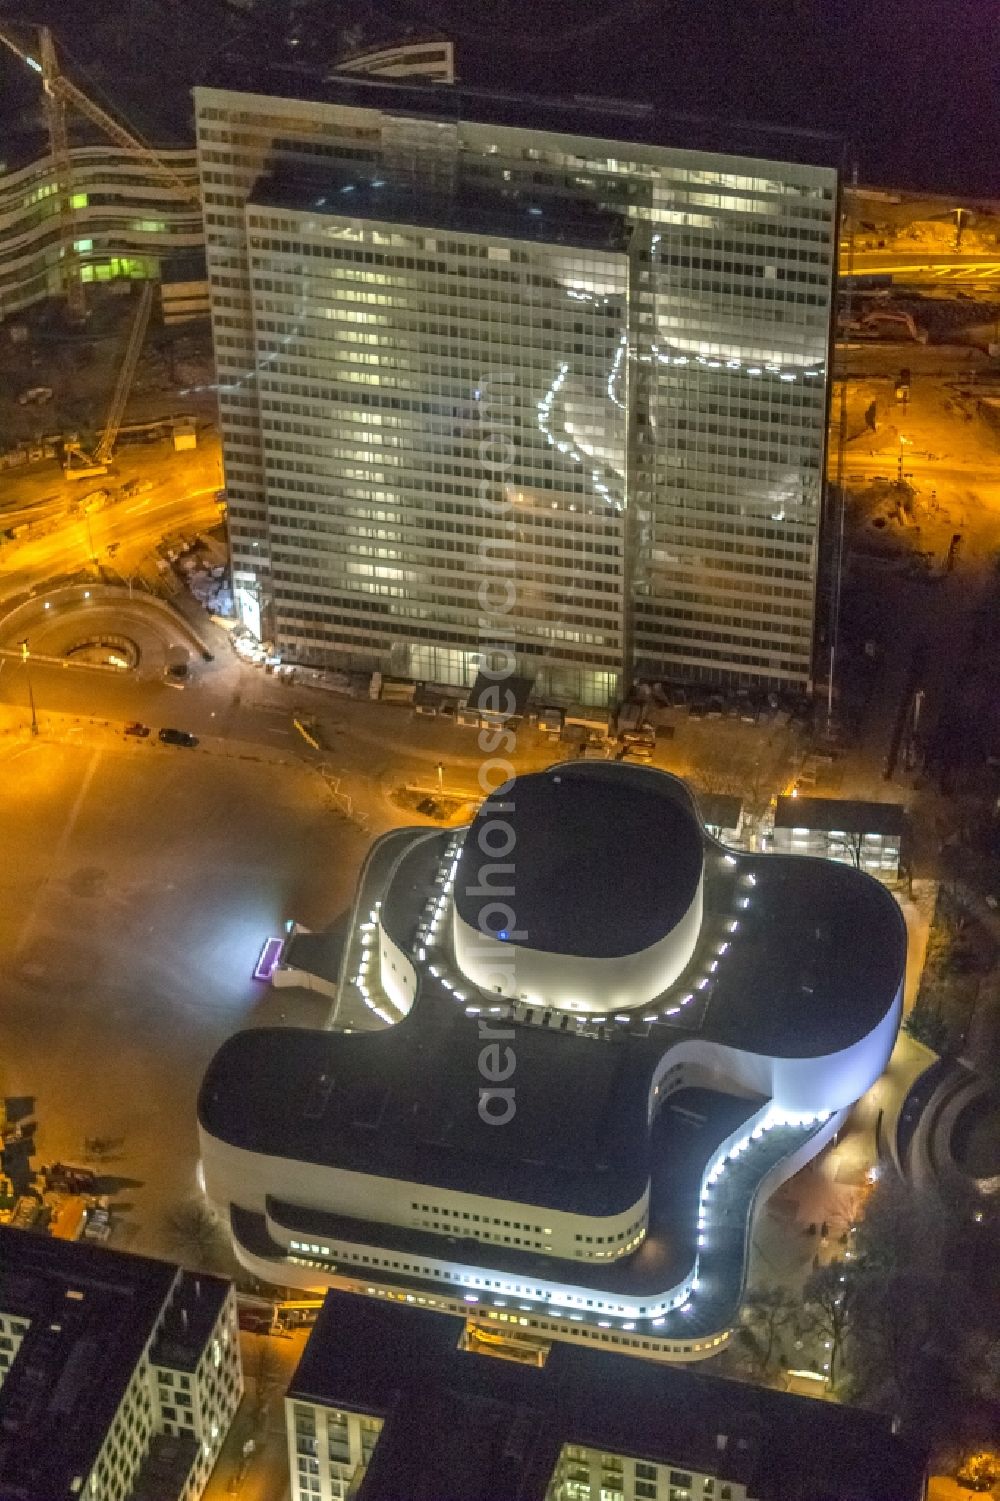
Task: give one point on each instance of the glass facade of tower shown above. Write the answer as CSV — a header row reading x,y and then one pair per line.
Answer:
x,y
439,419
456,354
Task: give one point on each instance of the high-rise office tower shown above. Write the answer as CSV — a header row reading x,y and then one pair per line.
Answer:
x,y
543,381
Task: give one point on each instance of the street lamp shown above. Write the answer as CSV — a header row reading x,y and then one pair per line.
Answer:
x,y
899,465
27,672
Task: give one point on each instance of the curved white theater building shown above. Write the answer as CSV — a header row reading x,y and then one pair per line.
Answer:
x,y
601,1041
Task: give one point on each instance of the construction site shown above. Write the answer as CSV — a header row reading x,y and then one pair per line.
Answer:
x,y
106,387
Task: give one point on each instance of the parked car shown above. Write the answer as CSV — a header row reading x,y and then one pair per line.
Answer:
x,y
170,736
253,1322
98,1226
93,501
35,396
139,731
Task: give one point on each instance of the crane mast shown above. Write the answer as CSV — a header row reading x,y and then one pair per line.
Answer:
x,y
126,374
78,462
55,113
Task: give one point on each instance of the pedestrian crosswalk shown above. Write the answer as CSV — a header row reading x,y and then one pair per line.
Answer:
x,y
989,270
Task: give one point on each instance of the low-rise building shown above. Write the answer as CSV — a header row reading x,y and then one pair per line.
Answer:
x,y
391,1402
868,836
119,1375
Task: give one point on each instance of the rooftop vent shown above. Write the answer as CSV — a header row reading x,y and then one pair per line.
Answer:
x,y
318,1098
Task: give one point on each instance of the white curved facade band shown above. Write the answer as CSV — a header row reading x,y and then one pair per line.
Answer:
x,y
396,973
571,982
795,1086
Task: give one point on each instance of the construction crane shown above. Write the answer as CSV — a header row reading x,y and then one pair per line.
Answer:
x,y
55,114
97,463
60,92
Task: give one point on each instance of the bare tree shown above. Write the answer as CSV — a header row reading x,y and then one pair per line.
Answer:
x,y
767,1312
924,1337
829,1296
854,842
197,1237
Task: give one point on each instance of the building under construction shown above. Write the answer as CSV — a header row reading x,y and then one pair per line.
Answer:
x,y
86,201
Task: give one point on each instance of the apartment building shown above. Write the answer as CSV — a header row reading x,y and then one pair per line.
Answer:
x,y
398,1401
119,1375
533,377
129,221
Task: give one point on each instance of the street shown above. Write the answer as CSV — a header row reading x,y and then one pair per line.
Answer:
x,y
181,498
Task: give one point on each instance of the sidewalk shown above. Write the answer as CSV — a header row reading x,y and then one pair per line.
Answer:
x,y
263,1475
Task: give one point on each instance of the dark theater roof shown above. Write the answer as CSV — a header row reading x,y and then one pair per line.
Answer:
x,y
403,1103
601,852
603,865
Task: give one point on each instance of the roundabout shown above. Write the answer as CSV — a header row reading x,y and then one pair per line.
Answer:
x,y
105,650
100,627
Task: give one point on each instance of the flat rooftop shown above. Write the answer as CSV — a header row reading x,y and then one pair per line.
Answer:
x,y
361,195
602,866
90,1312
405,1365
189,1319
603,120
844,813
